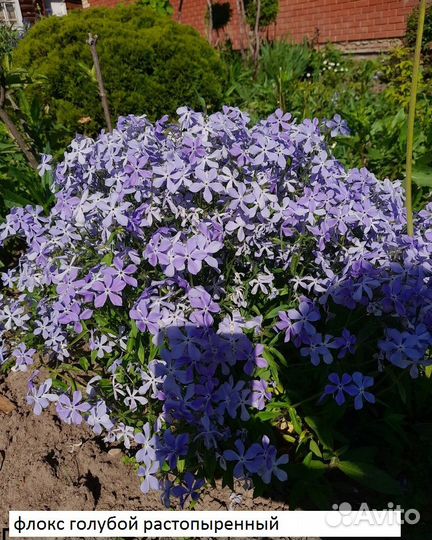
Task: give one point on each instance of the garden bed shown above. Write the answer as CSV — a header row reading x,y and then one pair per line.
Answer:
x,y
48,465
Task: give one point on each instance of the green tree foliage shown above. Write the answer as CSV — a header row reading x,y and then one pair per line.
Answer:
x,y
411,34
269,10
151,65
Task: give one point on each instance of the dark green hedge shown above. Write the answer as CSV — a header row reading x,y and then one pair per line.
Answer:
x,y
151,65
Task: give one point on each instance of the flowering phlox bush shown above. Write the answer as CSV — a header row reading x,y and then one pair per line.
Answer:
x,y
185,268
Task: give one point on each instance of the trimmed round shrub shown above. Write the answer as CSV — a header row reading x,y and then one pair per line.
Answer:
x,y
150,65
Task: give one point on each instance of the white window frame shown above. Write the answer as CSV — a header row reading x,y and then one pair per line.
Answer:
x,y
17,10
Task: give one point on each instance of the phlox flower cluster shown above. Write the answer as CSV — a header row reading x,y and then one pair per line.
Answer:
x,y
179,256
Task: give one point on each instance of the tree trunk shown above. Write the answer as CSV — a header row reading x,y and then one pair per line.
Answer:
x,y
13,130
92,42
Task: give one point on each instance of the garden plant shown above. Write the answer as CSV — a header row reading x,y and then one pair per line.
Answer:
x,y
150,65
226,300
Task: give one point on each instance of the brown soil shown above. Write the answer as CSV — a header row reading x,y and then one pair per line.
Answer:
x,y
47,465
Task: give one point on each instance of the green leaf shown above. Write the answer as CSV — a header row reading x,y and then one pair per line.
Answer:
x,y
322,430
279,355
422,175
268,415
370,476
295,419
274,312
141,353
108,259
84,363
12,199
315,448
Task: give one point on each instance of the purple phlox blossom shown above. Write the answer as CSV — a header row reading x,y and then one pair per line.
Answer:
x,y
9,278
23,357
13,315
133,398
255,359
285,324
263,282
148,475
40,398
209,248
209,433
270,462
275,469
259,394
188,256
362,291
193,149
124,274
150,380
114,210
361,383
190,487
108,288
346,343
228,397
338,127
170,174
264,149
172,447
280,119
339,387
102,345
145,318
45,165
247,461
203,305
185,340
99,419
395,297
147,441
69,411
298,323
318,347
67,282
240,197
308,135
400,348
135,168
206,181
239,225
121,433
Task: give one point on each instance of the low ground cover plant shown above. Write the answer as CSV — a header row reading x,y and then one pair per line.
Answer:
x,y
227,300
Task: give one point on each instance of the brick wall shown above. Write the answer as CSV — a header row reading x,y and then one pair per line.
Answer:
x,y
330,20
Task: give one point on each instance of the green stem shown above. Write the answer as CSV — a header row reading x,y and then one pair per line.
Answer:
x,y
411,118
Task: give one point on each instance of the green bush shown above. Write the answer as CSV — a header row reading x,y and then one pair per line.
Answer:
x,y
269,10
411,34
9,37
372,96
151,65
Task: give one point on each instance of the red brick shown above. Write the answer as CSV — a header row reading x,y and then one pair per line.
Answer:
x,y
337,20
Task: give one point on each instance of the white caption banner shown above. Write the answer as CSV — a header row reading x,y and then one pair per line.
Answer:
x,y
171,524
